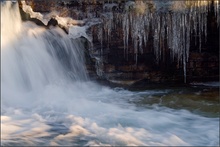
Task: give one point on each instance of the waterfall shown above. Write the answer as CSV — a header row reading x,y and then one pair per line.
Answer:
x,y
33,57
171,24
48,100
9,17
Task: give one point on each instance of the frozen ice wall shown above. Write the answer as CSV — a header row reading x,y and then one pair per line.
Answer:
x,y
171,24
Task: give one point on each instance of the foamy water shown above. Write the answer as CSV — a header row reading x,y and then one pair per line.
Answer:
x,y
47,98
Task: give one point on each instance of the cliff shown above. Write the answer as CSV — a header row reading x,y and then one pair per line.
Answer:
x,y
172,41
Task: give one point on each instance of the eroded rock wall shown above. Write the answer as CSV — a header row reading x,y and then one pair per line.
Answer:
x,y
138,40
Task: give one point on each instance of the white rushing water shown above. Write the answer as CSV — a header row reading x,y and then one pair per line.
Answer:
x,y
47,98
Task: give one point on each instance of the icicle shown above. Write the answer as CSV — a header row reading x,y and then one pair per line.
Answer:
x,y
184,66
200,34
195,23
100,37
170,35
146,29
156,37
173,26
107,26
184,48
205,24
188,30
125,25
163,33
99,67
217,14
135,37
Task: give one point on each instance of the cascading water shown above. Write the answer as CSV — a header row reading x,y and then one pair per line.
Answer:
x,y
47,98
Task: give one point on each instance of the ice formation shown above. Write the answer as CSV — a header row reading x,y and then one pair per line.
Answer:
x,y
74,30
171,24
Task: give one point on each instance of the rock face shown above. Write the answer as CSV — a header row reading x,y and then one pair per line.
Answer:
x,y
147,40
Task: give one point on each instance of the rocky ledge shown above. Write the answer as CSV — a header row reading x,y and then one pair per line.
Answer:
x,y
168,44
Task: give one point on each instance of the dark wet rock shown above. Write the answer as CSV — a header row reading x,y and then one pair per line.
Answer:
x,y
52,22
120,68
